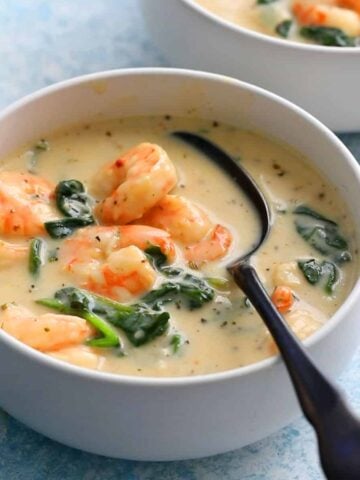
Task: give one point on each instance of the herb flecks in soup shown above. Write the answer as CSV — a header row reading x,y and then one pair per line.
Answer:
x,y
324,22
115,239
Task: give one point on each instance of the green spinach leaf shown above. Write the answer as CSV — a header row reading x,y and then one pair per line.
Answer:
x,y
329,36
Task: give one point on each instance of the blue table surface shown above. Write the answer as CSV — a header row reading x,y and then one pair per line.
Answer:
x,y
42,42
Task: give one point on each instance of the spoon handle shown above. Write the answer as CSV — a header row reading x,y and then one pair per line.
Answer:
x,y
336,426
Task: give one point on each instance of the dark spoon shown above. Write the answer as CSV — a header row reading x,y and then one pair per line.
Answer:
x,y
336,426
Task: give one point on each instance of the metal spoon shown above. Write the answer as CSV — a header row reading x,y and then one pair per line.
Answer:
x,y
336,426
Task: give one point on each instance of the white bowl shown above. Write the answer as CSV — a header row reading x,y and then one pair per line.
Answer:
x,y
170,418
323,80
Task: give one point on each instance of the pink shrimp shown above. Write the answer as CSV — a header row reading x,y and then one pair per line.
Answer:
x,y
134,183
189,224
24,204
110,260
47,332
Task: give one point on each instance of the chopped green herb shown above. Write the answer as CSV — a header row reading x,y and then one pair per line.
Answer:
x,y
218,282
329,36
283,28
176,342
36,255
42,145
265,2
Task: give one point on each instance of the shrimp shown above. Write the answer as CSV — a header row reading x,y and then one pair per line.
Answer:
x,y
24,203
110,260
11,253
309,13
191,226
134,183
286,274
351,4
283,298
81,356
45,332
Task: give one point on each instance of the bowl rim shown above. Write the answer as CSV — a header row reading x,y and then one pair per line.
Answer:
x,y
209,378
262,37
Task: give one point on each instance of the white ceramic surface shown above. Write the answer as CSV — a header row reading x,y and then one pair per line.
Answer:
x,y
164,419
323,80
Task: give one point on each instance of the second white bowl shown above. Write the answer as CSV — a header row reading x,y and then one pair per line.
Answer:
x,y
323,80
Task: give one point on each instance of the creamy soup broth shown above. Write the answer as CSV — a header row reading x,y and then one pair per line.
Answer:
x,y
324,22
226,332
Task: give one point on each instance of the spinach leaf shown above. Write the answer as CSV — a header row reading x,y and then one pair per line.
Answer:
x,y
74,203
80,303
36,255
311,269
309,212
283,28
325,272
66,226
329,36
265,2
321,233
193,290
185,286
156,256
72,200
330,271
140,323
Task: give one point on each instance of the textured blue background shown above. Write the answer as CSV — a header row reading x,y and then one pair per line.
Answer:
x,y
42,42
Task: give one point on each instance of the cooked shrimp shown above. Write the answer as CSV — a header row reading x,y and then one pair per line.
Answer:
x,y
10,253
309,13
81,356
110,260
190,225
24,203
351,4
283,298
134,183
45,332
286,274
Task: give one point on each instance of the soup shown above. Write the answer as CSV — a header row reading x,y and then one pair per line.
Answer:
x,y
324,22
115,259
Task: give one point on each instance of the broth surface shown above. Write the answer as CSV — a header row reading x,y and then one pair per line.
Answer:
x,y
225,333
